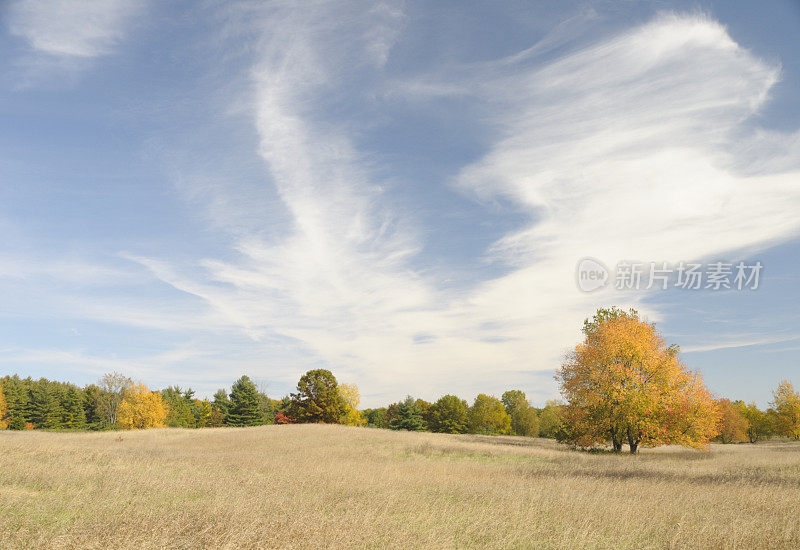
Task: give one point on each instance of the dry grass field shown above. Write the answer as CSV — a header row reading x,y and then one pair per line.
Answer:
x,y
317,486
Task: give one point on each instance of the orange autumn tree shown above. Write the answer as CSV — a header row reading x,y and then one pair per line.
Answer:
x,y
623,383
141,409
733,426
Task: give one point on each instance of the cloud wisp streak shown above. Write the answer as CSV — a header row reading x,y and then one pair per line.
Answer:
x,y
69,28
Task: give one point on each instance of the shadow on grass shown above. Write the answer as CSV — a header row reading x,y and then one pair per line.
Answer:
x,y
749,476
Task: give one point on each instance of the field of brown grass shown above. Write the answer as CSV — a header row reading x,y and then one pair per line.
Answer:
x,y
317,486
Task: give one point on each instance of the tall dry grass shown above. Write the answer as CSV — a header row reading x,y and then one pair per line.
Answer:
x,y
314,486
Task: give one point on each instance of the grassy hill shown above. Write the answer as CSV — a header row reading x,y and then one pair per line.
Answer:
x,y
303,486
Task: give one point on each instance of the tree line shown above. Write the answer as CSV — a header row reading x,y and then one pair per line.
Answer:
x,y
622,385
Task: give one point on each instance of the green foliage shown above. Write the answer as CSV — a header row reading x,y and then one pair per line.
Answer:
x,y
222,403
215,418
44,406
183,412
524,420
759,425
245,408
268,407
16,423
606,314
73,416
511,398
44,403
376,418
392,411
317,398
91,407
448,415
409,416
488,416
3,409
17,394
551,421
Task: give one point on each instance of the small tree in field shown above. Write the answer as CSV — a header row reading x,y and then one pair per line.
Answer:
x,y
623,383
317,398
141,409
245,407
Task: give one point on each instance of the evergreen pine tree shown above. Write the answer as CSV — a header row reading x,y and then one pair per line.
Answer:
x,y
245,404
222,403
16,423
17,396
409,416
91,398
73,416
180,403
44,406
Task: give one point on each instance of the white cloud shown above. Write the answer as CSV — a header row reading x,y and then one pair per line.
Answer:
x,y
72,28
738,341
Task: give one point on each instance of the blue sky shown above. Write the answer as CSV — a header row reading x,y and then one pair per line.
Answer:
x,y
399,192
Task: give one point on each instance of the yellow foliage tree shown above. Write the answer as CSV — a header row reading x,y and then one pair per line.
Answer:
x,y
488,415
623,383
3,410
141,409
733,426
786,402
352,399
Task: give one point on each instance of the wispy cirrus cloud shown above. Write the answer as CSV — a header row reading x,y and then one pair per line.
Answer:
x,y
739,341
616,150
64,37
69,28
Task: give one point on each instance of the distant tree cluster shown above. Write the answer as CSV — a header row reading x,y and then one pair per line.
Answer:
x,y
622,385
116,402
742,422
488,415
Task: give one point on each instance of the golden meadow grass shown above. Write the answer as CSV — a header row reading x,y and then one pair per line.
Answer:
x,y
304,486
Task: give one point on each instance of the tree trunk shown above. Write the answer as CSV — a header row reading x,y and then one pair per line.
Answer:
x,y
634,445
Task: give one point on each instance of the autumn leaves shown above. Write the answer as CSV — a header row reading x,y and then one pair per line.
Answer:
x,y
625,385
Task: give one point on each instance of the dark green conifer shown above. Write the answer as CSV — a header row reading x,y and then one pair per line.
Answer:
x,y
245,404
